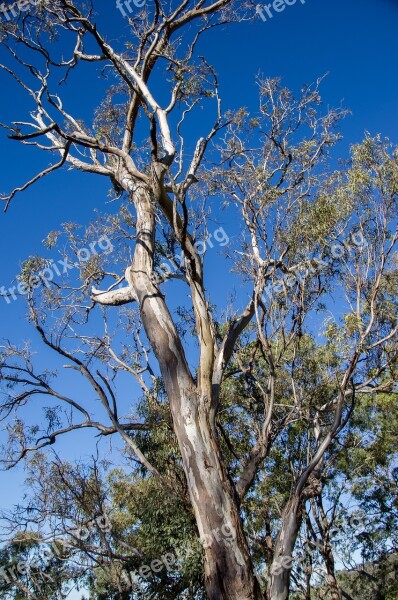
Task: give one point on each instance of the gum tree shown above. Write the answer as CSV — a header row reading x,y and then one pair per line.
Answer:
x,y
271,170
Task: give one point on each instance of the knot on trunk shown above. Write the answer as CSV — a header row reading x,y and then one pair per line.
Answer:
x,y
314,486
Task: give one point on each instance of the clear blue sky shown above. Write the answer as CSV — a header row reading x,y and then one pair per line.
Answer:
x,y
355,41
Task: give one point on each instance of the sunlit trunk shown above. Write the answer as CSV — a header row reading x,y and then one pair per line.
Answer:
x,y
229,573
228,566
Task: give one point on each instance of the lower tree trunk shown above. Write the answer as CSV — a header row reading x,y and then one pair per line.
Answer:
x,y
279,581
333,588
229,573
308,589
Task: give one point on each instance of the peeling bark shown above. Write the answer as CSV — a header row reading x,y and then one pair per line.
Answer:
x,y
228,567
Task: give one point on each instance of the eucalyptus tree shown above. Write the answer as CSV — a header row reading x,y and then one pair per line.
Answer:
x,y
308,237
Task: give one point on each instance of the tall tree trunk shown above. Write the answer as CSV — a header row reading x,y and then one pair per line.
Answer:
x,y
279,581
229,573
